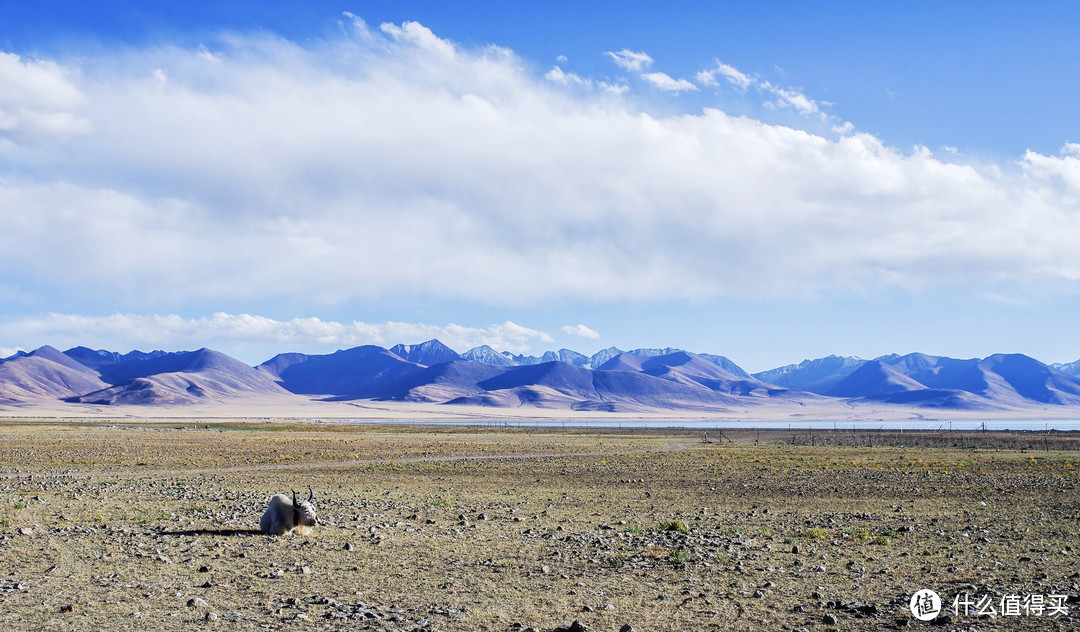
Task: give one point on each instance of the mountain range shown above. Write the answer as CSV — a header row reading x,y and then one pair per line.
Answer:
x,y
610,380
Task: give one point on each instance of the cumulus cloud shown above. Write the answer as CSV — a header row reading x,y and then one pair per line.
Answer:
x,y
580,330
391,162
668,83
630,60
38,100
1056,174
230,332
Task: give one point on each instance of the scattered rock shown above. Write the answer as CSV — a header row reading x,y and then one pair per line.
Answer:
x,y
211,616
829,619
197,602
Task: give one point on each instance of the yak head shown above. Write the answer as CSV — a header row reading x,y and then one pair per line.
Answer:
x,y
304,510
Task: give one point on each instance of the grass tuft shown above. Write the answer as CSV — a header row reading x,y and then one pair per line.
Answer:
x,y
674,525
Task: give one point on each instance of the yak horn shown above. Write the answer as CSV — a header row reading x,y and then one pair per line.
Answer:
x,y
311,494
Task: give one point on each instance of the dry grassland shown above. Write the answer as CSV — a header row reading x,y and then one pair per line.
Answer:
x,y
150,526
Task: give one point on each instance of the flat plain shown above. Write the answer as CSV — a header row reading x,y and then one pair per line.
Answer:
x,y
153,524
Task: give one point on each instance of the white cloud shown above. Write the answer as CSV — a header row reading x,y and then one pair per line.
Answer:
x,y
736,78
790,98
780,97
7,352
667,83
1057,177
630,60
559,76
38,100
580,330
390,163
232,332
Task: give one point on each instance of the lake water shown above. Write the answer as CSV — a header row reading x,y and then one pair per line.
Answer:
x,y
802,424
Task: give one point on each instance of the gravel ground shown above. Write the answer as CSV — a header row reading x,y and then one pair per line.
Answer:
x,y
136,526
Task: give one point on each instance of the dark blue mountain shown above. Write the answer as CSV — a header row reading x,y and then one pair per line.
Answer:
x,y
874,379
1033,380
920,379
101,360
116,368
816,376
688,368
558,384
439,383
351,372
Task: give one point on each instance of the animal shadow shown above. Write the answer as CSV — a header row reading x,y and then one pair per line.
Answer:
x,y
206,532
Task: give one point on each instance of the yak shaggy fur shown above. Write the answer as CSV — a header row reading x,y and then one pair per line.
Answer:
x,y
285,515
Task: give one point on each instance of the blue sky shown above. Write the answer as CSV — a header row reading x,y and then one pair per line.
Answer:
x,y
767,181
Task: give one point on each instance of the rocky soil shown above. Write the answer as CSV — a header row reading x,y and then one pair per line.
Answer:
x,y
136,526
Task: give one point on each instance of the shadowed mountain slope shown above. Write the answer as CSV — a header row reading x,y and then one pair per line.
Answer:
x,y
116,369
874,379
816,376
104,361
440,383
558,385
1033,380
878,381
351,372
688,368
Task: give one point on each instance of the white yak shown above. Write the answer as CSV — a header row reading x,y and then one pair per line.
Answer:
x,y
284,515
